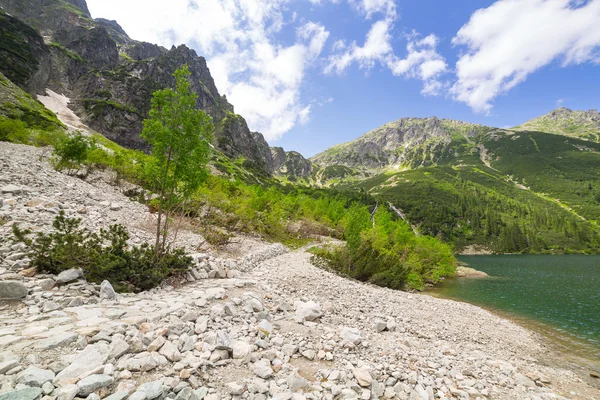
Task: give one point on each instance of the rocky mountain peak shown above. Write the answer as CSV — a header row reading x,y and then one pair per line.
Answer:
x,y
392,143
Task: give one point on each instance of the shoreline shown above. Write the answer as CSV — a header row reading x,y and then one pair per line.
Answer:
x,y
564,349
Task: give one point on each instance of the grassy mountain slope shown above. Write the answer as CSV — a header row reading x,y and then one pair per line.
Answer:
x,y
473,185
562,121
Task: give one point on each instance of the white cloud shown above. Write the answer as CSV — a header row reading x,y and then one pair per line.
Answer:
x,y
513,38
370,7
421,62
261,77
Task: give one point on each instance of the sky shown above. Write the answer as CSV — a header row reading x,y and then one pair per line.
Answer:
x,y
309,74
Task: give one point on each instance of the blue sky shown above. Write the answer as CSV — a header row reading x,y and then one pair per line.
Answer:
x,y
309,74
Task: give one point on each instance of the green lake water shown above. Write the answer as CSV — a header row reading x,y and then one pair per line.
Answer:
x,y
559,292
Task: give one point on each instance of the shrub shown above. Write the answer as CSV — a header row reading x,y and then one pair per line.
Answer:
x,y
216,237
71,151
12,130
102,255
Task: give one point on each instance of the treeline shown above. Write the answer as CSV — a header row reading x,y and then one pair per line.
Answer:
x,y
469,213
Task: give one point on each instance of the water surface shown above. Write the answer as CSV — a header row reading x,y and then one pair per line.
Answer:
x,y
560,292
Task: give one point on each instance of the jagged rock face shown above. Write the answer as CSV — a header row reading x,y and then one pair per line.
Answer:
x,y
23,54
95,46
396,142
110,78
563,121
291,163
49,16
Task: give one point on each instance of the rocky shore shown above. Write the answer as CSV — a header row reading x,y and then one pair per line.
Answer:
x,y
264,325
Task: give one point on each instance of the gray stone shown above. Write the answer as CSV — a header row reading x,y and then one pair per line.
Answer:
x,y
8,365
46,284
118,347
11,290
117,396
138,395
308,311
67,392
152,389
91,383
262,369
350,335
170,351
28,393
61,340
47,388
235,388
90,358
50,306
379,325
34,376
69,275
265,327
11,189
106,291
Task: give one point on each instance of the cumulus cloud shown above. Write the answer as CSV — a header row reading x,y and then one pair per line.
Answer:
x,y
513,38
259,75
422,61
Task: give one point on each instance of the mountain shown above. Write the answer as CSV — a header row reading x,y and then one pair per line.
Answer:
x,y
562,121
472,185
407,141
110,78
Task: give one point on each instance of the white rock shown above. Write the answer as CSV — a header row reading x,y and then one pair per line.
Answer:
x,y
262,369
308,311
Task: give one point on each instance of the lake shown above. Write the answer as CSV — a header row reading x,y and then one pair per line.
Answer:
x,y
559,292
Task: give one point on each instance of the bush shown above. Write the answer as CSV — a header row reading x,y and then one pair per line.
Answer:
x,y
387,253
12,130
103,255
72,151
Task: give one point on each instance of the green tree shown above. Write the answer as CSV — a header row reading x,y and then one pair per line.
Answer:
x,y
180,137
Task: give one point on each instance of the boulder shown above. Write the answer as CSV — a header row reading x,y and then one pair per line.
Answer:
x,y
11,290
107,291
69,275
34,376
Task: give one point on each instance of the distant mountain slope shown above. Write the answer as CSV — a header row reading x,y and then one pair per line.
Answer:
x,y
562,121
509,191
407,141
